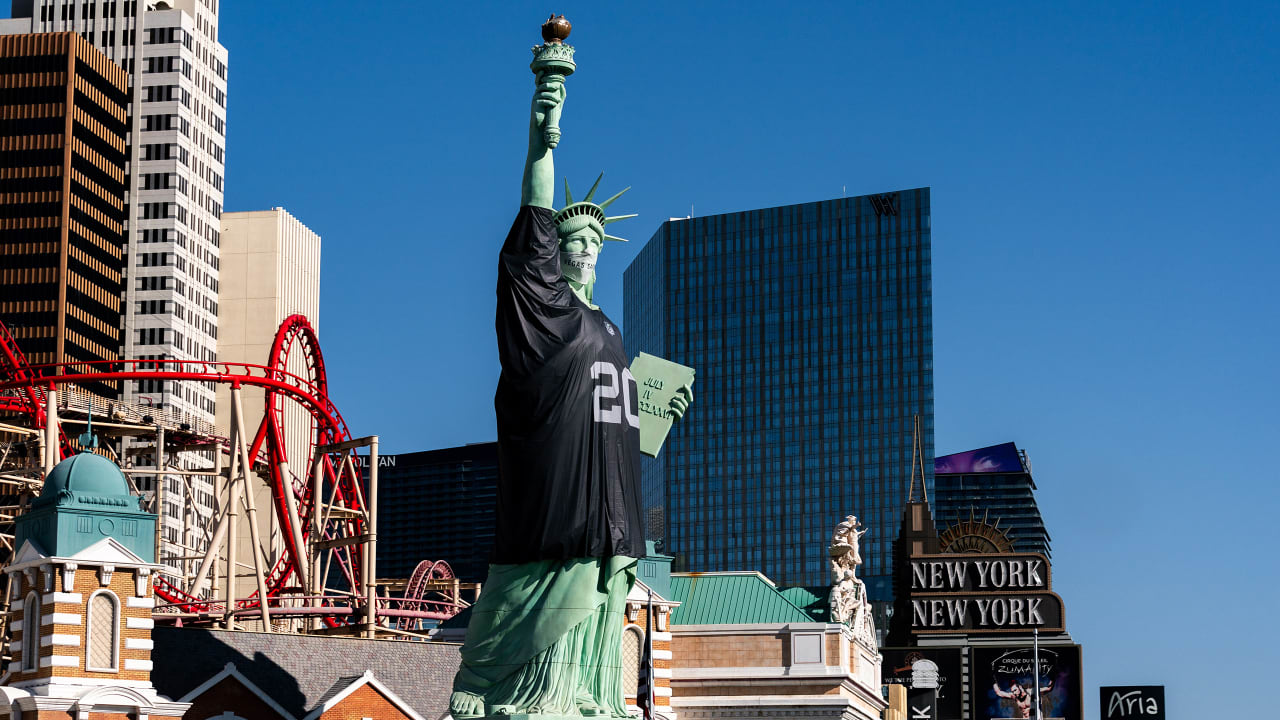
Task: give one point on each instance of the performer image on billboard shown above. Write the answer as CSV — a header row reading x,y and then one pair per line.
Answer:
x,y
1004,683
1020,698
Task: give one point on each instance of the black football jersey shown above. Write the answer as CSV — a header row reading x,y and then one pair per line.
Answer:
x,y
568,422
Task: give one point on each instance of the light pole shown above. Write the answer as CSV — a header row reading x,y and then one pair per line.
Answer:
x,y
1035,662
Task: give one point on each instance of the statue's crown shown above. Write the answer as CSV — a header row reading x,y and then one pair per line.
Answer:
x,y
590,209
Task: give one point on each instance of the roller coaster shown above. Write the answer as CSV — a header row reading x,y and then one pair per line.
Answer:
x,y
324,579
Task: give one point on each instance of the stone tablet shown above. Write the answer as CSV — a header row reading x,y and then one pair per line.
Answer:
x,y
658,381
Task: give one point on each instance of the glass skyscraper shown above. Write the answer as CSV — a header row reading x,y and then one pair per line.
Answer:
x,y
811,330
992,483
438,505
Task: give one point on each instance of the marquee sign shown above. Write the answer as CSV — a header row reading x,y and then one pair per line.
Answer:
x,y
983,593
1145,702
979,573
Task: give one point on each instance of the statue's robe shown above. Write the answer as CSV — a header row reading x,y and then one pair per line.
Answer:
x,y
545,635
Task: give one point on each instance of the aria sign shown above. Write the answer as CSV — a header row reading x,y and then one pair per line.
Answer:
x,y
1145,702
983,593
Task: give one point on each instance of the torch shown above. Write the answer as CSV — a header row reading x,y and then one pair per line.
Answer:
x,y
552,60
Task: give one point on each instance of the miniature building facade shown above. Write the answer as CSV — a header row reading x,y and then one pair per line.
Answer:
x,y
743,649
80,601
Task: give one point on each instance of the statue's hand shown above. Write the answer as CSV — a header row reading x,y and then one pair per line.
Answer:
x,y
680,403
547,100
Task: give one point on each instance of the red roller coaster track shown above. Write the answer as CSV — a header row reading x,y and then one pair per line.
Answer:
x,y
23,390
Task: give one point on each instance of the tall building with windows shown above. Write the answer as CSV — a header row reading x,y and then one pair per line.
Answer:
x,y
63,133
438,505
177,114
810,328
270,270
993,484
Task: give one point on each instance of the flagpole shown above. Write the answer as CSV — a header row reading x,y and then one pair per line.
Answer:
x,y
648,652
646,701
1035,639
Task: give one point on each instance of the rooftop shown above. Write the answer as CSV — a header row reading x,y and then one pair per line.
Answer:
x,y
731,598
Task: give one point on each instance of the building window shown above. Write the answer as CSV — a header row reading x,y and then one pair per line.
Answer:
x,y
632,640
102,633
31,632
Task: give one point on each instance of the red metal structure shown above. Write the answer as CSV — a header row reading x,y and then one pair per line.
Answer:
x,y
293,480
26,397
433,593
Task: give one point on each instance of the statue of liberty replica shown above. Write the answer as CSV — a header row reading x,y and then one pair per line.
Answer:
x,y
545,636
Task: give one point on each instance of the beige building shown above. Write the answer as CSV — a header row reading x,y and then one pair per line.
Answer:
x,y
270,270
741,650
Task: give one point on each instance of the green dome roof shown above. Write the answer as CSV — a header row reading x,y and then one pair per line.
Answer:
x,y
86,499
85,474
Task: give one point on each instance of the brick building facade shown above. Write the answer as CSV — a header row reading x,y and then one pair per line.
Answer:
x,y
80,601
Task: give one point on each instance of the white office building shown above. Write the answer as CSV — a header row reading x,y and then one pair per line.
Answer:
x,y
178,136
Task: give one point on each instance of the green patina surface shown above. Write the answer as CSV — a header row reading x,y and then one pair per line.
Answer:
x,y
654,570
814,601
729,599
85,499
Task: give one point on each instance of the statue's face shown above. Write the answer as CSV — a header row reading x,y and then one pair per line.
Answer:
x,y
584,240
578,253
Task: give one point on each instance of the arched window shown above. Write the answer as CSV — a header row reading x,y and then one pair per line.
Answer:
x,y
632,640
102,633
31,632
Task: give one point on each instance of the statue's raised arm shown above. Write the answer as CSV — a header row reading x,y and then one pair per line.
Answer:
x,y
552,63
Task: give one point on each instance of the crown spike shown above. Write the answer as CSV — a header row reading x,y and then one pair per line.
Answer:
x,y
606,203
616,218
568,196
591,193
615,239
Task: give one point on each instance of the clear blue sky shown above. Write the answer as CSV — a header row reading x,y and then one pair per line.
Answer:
x,y
1104,184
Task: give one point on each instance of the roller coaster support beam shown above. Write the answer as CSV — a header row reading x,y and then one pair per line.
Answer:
x,y
368,512
210,554
289,492
369,567
295,523
50,431
317,523
231,537
239,490
160,483
255,540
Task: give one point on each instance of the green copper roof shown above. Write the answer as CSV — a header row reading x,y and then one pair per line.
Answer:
x,y
812,600
730,599
654,570
85,499
85,474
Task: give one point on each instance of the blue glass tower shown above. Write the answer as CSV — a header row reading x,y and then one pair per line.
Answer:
x,y
811,330
992,483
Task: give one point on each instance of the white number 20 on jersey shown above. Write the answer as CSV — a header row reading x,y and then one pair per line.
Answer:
x,y
607,408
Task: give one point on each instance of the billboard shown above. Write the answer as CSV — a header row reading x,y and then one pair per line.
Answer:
x,y
896,670
983,593
1001,458
1002,682
1131,701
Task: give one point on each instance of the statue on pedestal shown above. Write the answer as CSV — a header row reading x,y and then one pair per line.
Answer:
x,y
545,636
848,599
